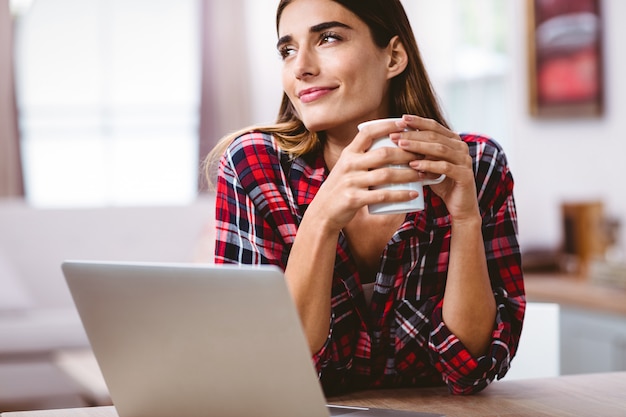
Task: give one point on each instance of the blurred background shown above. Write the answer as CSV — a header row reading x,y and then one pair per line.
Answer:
x,y
113,97
112,105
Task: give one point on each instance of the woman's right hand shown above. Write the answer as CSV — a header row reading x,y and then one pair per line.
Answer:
x,y
348,186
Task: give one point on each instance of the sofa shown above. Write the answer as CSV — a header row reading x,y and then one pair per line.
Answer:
x,y
37,314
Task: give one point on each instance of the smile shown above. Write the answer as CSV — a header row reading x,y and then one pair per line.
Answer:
x,y
311,94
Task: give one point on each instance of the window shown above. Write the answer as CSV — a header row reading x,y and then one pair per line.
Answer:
x,y
464,46
476,91
108,95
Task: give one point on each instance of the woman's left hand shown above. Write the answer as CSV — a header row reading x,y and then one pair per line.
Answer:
x,y
444,153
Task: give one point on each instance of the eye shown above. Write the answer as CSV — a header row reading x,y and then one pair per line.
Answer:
x,y
329,37
286,51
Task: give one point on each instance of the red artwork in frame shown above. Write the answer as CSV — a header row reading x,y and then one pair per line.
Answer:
x,y
565,58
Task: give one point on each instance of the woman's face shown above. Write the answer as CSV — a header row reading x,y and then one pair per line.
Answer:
x,y
333,73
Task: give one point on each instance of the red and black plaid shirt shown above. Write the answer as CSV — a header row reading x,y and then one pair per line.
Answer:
x,y
400,339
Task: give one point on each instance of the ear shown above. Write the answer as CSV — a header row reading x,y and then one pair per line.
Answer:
x,y
398,59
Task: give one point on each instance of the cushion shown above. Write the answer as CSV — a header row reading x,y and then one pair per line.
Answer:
x,y
13,294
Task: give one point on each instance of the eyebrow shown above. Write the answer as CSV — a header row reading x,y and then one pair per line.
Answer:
x,y
320,27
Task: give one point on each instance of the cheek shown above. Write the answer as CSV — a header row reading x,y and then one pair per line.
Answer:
x,y
349,66
365,71
286,79
288,83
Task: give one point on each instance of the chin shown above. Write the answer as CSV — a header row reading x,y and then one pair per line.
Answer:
x,y
321,123
317,127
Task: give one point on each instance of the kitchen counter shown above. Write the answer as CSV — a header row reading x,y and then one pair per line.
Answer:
x,y
576,292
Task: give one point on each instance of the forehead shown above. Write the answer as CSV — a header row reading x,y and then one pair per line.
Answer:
x,y
300,15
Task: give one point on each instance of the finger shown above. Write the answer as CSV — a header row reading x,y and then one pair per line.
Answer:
x,y
424,124
391,175
434,146
378,158
432,169
390,196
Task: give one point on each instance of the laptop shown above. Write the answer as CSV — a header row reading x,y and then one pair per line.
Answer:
x,y
193,340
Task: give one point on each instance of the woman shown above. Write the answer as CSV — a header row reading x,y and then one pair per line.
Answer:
x,y
413,299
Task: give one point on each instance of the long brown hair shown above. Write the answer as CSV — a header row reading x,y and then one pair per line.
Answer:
x,y
410,92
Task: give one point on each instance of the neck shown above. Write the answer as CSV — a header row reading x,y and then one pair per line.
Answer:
x,y
331,154
334,143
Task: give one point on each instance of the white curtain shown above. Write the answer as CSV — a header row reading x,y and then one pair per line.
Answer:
x,y
225,100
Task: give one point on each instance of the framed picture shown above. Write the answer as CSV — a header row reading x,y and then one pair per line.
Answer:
x,y
565,58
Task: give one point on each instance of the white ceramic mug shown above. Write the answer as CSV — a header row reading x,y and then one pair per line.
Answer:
x,y
417,204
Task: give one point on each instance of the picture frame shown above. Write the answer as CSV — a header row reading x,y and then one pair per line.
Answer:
x,y
565,58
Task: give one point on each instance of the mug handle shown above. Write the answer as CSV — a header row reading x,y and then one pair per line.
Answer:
x,y
434,181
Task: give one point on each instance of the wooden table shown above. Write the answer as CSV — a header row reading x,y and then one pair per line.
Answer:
x,y
598,395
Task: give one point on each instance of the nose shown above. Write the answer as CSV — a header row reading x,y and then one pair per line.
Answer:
x,y
306,64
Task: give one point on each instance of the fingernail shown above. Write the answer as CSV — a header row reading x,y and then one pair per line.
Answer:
x,y
401,124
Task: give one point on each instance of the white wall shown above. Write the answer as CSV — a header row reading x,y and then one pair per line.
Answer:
x,y
552,160
574,159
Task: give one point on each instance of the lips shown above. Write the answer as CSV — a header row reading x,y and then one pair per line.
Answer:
x,y
311,94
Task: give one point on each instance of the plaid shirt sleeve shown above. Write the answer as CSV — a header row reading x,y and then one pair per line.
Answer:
x,y
463,373
255,222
